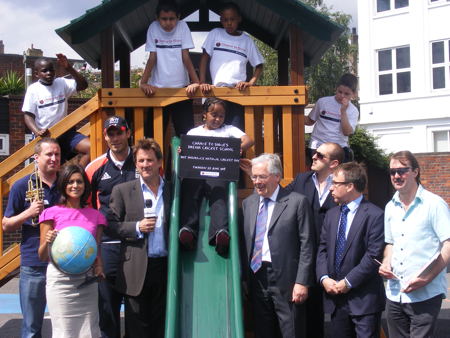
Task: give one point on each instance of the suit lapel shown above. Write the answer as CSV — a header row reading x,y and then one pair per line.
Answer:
x,y
356,225
335,215
138,196
253,209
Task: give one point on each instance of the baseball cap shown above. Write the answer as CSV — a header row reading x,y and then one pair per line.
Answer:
x,y
115,121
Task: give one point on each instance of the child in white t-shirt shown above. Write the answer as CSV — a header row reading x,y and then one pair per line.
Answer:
x,y
228,51
335,117
169,64
46,103
193,190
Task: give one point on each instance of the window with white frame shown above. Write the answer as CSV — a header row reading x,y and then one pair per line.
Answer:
x,y
440,64
387,5
4,144
437,1
28,139
441,140
394,71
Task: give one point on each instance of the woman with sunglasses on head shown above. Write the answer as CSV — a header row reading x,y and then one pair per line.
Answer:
x,y
73,311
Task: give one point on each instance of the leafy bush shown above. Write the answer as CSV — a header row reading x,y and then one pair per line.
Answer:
x,y
11,84
365,149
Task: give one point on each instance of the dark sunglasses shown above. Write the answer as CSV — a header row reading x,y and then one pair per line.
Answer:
x,y
319,155
399,171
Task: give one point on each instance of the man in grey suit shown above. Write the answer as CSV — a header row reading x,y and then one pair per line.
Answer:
x,y
278,252
140,216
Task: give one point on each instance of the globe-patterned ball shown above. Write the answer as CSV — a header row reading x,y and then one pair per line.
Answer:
x,y
74,250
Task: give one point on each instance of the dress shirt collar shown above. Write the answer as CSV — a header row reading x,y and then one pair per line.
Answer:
x,y
353,205
417,199
272,198
117,163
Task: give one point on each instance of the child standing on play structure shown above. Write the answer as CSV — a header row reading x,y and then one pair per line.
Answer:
x,y
45,104
193,190
335,117
169,64
229,50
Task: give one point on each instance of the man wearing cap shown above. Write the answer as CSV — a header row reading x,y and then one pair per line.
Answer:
x,y
106,171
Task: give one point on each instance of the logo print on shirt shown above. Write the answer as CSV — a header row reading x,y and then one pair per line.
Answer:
x,y
156,40
41,101
105,177
217,44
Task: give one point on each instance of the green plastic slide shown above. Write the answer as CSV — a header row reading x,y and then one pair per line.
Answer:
x,y
204,290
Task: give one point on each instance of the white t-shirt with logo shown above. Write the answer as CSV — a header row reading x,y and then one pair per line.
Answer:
x,y
224,131
327,114
169,70
48,104
229,56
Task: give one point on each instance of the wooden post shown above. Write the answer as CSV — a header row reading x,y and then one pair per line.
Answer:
x,y
283,65
297,78
107,57
125,68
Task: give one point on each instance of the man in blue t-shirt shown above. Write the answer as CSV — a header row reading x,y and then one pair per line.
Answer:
x,y
19,215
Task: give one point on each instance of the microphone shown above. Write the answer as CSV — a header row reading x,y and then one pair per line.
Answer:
x,y
148,211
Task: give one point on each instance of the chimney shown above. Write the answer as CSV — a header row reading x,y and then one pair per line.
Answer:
x,y
2,47
34,51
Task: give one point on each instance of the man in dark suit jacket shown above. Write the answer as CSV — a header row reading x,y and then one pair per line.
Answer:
x,y
352,237
278,252
143,228
315,185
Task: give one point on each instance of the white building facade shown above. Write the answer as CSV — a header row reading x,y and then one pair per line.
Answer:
x,y
404,73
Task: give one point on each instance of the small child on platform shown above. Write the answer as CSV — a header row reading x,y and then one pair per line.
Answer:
x,y
335,117
46,103
229,50
169,64
193,190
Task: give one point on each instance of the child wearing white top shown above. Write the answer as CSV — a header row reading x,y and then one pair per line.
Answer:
x,y
193,190
229,50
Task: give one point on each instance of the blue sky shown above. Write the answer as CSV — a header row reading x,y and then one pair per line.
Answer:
x,y
27,22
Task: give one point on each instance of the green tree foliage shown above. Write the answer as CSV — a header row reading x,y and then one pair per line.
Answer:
x,y
11,84
269,76
341,58
365,148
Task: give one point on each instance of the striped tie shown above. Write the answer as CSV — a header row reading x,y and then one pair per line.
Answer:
x,y
341,239
261,222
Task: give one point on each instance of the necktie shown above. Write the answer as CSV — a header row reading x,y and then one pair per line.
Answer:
x,y
341,240
261,222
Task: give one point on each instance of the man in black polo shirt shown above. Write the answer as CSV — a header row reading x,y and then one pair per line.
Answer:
x,y
18,215
106,171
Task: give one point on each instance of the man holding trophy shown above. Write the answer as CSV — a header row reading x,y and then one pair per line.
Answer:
x,y
27,198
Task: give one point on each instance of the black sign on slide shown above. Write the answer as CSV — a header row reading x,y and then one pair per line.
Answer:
x,y
205,157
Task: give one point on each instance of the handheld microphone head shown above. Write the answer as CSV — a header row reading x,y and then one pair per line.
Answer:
x,y
148,212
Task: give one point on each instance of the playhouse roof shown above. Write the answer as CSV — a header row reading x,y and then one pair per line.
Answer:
x,y
267,20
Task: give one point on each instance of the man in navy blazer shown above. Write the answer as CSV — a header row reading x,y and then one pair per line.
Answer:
x,y
352,237
315,186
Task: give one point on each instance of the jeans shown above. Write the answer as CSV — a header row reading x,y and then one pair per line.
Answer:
x,y
32,299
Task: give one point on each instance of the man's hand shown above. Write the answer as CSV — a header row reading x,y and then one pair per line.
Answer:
x,y
299,293
147,225
206,88
35,209
246,166
62,61
148,90
385,271
341,287
415,284
329,285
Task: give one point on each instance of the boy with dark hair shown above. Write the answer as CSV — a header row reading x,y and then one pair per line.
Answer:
x,y
45,104
335,117
169,64
229,50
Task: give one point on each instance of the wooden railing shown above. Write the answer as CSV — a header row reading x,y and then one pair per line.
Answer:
x,y
273,118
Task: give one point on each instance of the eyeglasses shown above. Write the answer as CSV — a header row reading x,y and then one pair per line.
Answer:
x,y
172,18
319,155
399,171
337,184
261,177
